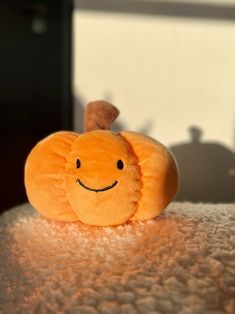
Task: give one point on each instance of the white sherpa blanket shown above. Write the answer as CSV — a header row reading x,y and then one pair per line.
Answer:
x,y
181,262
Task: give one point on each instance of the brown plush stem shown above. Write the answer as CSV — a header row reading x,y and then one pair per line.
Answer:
x,y
99,115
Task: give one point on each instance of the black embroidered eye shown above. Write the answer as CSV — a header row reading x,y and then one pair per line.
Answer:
x,y
120,164
78,163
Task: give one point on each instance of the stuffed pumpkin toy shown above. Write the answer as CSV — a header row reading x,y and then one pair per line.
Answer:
x,y
100,177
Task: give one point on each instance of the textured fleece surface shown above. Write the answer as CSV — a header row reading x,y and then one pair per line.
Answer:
x,y
181,262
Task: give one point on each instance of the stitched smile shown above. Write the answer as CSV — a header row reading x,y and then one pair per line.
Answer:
x,y
97,190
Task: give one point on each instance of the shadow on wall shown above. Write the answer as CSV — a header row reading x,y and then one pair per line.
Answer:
x,y
207,170
78,105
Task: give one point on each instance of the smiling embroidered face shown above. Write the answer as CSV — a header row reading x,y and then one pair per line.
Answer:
x,y
120,166
102,178
97,190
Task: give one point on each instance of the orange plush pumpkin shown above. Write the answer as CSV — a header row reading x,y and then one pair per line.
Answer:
x,y
100,177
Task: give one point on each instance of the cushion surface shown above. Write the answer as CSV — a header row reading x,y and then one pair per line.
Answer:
x,y
181,262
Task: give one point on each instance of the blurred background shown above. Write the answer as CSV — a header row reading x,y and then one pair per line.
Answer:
x,y
167,65
35,83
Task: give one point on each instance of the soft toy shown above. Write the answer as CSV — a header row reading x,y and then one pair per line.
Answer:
x,y
101,178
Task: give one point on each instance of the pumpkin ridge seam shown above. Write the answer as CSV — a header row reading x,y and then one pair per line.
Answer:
x,y
59,156
65,165
139,170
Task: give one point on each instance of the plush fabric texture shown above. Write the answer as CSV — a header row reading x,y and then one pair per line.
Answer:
x,y
183,261
73,177
44,176
159,177
99,151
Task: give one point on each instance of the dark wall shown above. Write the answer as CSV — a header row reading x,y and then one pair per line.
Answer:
x,y
35,83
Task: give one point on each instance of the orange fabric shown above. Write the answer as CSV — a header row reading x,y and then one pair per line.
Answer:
x,y
100,177
45,175
159,175
99,152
